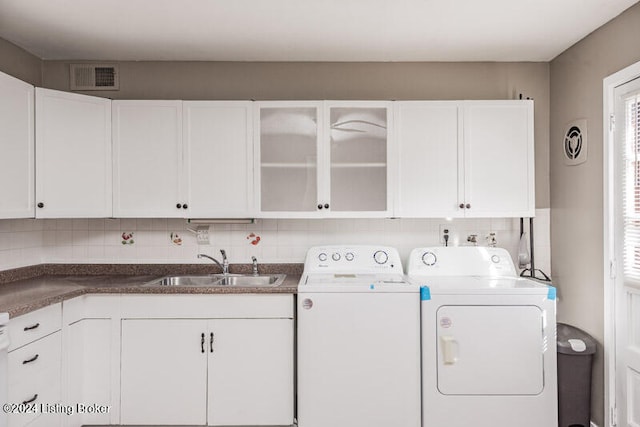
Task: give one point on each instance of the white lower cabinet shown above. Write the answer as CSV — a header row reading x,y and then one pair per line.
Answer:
x,y
88,353
207,372
34,368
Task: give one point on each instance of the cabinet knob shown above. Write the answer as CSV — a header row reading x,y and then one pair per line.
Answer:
x,y
319,206
326,205
185,206
41,205
468,206
461,205
179,206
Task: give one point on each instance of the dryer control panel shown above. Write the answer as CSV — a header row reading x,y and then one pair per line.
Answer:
x,y
353,259
461,261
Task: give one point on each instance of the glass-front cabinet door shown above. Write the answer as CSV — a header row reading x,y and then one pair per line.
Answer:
x,y
358,146
322,158
288,154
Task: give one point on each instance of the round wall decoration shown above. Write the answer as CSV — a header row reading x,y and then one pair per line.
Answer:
x,y
575,143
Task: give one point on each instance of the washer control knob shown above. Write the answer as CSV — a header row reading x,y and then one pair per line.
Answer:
x,y
322,257
349,256
429,258
335,256
380,257
495,259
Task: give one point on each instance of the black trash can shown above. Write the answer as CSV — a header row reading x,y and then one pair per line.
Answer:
x,y
575,356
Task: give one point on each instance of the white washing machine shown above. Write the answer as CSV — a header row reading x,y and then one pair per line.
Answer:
x,y
488,340
358,340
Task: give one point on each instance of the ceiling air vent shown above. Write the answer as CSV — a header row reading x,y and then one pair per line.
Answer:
x,y
94,77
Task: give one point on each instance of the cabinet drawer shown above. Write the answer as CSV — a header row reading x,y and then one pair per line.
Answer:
x,y
32,326
31,363
46,390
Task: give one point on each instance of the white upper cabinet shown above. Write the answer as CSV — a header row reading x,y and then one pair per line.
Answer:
x,y
358,146
148,173
73,155
287,159
465,159
16,148
219,158
429,149
322,159
499,159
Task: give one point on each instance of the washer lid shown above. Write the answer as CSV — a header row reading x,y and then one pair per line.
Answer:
x,y
346,282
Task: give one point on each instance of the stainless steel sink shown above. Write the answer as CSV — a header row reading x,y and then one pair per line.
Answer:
x,y
185,281
261,280
238,280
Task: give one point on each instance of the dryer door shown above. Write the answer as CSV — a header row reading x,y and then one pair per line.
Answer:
x,y
490,350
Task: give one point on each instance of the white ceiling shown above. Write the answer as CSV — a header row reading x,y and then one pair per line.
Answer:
x,y
303,30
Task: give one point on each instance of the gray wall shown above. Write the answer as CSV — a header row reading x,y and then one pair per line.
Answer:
x,y
576,191
316,80
19,63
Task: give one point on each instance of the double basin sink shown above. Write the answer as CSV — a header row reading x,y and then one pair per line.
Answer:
x,y
215,280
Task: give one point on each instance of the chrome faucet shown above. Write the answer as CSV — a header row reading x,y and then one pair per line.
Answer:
x,y
225,263
255,265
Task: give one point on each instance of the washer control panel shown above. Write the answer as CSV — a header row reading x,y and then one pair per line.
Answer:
x,y
460,261
353,259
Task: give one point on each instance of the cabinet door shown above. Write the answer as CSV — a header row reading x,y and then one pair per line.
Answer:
x,y
148,159
88,369
499,159
251,372
430,175
73,155
16,148
163,372
219,160
357,143
287,157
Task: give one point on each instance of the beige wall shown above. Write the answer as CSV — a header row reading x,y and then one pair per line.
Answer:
x,y
576,191
19,63
315,80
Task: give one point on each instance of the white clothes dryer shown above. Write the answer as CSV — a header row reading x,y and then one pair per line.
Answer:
x,y
488,340
358,340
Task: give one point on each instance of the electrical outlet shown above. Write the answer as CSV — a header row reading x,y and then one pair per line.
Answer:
x,y
202,235
492,239
448,230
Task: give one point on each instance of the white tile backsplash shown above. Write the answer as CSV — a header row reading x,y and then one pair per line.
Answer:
x,y
22,243
28,242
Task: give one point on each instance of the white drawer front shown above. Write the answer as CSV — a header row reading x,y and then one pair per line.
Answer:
x,y
35,325
30,363
46,392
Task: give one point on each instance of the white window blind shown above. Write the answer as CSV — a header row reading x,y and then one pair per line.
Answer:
x,y
631,190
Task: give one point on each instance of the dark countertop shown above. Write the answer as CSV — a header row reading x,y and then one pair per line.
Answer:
x,y
39,286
